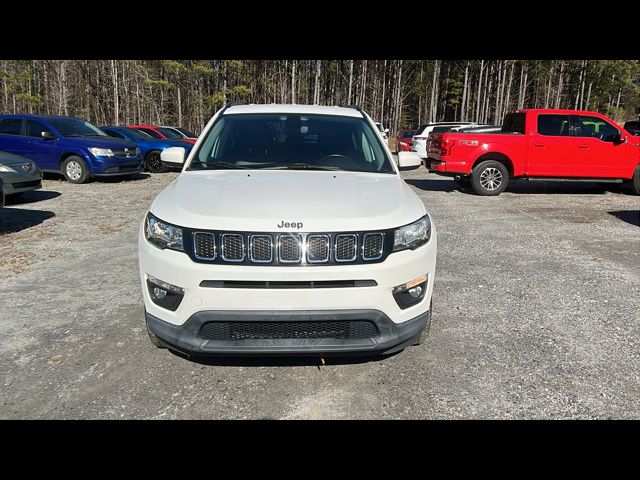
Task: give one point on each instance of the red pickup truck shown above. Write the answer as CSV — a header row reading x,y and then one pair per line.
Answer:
x,y
538,143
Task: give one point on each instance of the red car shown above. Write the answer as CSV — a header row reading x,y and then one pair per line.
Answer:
x,y
539,143
160,132
404,140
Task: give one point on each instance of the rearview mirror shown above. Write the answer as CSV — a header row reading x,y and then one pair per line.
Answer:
x,y
47,135
173,156
408,160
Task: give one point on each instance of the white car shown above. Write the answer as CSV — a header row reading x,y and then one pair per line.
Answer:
x,y
289,231
422,133
383,131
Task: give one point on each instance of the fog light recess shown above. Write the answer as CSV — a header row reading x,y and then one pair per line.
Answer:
x,y
164,294
411,293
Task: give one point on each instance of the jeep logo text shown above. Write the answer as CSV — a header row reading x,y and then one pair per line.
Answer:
x,y
284,224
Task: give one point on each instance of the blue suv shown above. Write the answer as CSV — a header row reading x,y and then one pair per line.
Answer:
x,y
150,147
69,146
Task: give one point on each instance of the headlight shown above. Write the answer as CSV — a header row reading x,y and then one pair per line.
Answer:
x,y
137,151
101,152
5,168
162,234
403,143
413,235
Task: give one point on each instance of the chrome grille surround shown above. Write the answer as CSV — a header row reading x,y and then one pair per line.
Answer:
x,y
290,248
372,246
260,248
317,247
345,247
229,247
204,245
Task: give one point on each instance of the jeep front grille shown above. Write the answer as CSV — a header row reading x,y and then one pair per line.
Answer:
x,y
232,247
288,249
346,246
204,245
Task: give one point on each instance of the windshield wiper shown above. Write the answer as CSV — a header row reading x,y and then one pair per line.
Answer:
x,y
222,165
303,166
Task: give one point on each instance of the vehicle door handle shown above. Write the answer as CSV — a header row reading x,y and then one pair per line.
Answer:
x,y
538,145
584,146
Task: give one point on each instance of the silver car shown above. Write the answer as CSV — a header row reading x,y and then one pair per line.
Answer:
x,y
18,174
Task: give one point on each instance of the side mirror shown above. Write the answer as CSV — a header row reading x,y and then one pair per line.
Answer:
x,y
173,156
617,139
47,135
408,160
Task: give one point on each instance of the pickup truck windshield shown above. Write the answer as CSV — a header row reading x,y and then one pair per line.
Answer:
x,y
290,141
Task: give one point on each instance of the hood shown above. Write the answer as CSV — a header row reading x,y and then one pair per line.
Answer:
x,y
100,142
7,158
262,200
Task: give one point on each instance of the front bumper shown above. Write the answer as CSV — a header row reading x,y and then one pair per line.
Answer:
x,y
201,301
21,182
114,166
188,339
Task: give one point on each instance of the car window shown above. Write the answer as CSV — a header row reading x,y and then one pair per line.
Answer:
x,y
554,125
515,123
170,133
10,126
75,127
35,128
187,133
596,127
292,141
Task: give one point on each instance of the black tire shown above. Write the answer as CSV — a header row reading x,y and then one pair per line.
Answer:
x,y
424,334
153,164
155,339
75,170
489,178
635,182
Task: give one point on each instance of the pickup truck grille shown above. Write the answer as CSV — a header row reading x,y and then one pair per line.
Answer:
x,y
288,248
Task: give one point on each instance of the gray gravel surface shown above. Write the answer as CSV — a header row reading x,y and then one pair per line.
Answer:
x,y
536,315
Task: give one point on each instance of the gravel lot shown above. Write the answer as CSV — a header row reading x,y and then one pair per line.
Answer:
x,y
536,315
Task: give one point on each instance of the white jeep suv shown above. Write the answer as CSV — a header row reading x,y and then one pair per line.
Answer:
x,y
289,231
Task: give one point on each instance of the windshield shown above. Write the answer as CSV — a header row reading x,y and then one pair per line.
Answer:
x,y
284,141
74,127
136,135
407,133
169,133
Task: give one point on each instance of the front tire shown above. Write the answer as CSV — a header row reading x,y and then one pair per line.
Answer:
x,y
75,170
489,178
153,163
635,181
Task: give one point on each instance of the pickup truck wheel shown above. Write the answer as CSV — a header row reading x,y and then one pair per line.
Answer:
x,y
422,336
153,163
489,178
155,339
75,170
635,181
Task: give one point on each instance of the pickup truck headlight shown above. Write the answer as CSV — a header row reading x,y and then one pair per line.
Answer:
x,y
162,234
101,152
412,235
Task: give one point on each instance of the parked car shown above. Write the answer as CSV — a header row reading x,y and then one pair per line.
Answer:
x,y
539,143
160,133
633,127
68,145
185,134
150,147
404,140
19,174
384,132
298,242
422,133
